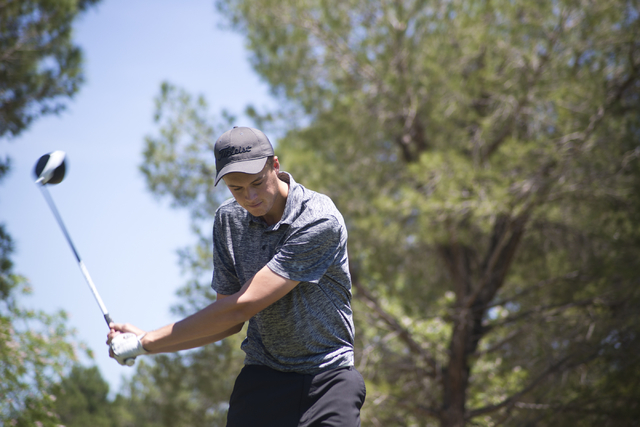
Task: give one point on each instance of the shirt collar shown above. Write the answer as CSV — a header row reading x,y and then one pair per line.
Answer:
x,y
292,205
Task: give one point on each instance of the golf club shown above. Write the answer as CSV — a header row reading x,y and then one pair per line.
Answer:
x,y
51,169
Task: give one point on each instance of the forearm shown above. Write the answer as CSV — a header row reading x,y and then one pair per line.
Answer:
x,y
210,324
259,292
198,342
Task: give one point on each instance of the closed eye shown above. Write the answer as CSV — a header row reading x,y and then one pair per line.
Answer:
x,y
255,184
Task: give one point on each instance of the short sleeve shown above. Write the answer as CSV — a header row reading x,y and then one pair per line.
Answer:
x,y
309,251
225,280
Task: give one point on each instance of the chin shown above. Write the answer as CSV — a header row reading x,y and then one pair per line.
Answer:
x,y
258,211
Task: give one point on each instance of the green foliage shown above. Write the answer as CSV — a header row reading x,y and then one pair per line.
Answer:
x,y
81,399
485,157
482,150
178,161
187,389
39,68
35,349
39,65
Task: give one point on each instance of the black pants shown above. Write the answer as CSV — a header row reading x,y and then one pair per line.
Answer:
x,y
263,397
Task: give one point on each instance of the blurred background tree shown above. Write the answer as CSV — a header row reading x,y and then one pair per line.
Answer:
x,y
485,157
35,348
40,69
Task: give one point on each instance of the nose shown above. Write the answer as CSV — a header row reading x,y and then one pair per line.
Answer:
x,y
251,194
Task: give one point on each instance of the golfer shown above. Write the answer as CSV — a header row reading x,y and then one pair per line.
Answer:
x,y
280,262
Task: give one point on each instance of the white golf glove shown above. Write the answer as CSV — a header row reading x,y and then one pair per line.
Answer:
x,y
126,347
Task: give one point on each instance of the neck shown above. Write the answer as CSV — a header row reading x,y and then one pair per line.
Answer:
x,y
277,211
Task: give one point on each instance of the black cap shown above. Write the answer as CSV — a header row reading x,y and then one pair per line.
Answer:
x,y
241,149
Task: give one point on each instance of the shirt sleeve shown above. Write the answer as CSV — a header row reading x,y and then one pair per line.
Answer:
x,y
309,251
225,280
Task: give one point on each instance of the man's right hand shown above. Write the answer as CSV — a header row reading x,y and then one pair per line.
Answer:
x,y
126,347
124,340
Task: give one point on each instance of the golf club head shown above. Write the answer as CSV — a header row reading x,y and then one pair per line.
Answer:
x,y
50,168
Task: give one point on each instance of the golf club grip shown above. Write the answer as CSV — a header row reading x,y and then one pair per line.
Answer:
x,y
107,317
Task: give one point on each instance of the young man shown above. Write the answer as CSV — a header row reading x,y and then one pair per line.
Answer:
x,y
280,262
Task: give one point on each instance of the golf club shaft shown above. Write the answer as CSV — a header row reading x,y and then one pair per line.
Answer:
x,y
84,270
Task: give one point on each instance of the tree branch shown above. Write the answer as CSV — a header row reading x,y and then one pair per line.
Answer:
x,y
553,309
522,103
370,301
540,284
504,250
511,400
420,409
499,344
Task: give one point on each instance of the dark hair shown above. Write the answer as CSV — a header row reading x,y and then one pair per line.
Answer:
x,y
270,162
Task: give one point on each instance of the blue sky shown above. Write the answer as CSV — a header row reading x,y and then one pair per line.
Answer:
x,y
126,238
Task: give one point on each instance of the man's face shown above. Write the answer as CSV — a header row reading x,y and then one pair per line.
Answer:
x,y
257,193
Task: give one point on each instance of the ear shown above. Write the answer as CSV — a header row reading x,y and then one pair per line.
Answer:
x,y
276,164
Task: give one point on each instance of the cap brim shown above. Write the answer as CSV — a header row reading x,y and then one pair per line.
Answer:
x,y
247,166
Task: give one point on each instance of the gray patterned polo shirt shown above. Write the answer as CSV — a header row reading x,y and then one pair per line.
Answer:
x,y
311,328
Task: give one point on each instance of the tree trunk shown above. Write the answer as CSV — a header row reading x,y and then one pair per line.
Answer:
x,y
456,375
475,288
